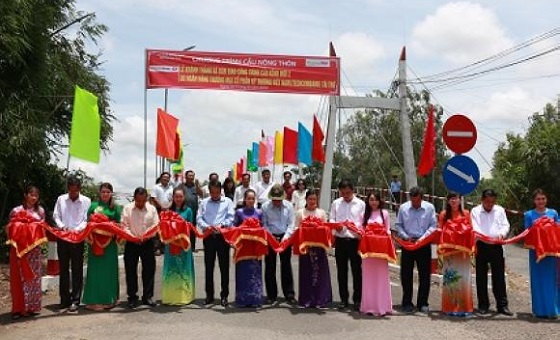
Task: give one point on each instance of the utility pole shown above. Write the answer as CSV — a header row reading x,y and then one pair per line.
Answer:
x,y
326,179
408,153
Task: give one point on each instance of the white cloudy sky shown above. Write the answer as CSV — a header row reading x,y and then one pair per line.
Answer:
x,y
368,36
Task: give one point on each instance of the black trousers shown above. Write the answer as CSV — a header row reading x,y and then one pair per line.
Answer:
x,y
193,241
286,275
346,250
422,257
397,199
71,257
215,245
494,255
145,252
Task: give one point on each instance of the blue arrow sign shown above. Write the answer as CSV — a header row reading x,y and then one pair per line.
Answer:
x,y
461,174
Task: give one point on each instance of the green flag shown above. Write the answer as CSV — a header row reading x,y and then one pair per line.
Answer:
x,y
85,134
250,165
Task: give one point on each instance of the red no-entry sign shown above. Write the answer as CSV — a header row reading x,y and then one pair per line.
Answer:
x,y
459,133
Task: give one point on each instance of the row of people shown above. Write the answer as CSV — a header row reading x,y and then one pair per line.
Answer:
x,y
372,292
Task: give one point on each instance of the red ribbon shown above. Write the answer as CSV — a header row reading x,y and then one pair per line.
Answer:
x,y
101,232
348,224
104,227
544,238
492,240
456,236
313,232
24,234
376,243
175,231
249,240
412,246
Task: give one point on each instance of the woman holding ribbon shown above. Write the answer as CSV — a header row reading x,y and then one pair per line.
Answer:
x,y
376,285
101,289
26,292
248,272
545,284
314,275
178,284
456,249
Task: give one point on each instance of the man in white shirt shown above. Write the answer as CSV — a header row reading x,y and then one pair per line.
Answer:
x,y
490,219
161,198
348,209
137,217
162,193
70,214
263,187
239,195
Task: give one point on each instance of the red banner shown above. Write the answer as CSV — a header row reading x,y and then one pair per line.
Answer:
x,y
243,72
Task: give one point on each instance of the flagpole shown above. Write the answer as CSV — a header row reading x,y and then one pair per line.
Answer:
x,y
165,95
145,119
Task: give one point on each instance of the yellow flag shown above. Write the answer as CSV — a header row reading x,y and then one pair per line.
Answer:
x,y
278,148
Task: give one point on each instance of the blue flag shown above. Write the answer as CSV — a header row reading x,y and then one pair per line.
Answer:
x,y
305,145
255,156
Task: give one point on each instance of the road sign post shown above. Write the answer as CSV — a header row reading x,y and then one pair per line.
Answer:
x,y
460,173
459,134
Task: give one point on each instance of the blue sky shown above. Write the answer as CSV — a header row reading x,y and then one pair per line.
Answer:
x,y
368,36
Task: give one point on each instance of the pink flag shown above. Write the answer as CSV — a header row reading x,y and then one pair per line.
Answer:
x,y
270,147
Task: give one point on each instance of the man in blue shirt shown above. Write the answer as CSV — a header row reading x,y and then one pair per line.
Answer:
x,y
395,188
278,217
215,212
416,220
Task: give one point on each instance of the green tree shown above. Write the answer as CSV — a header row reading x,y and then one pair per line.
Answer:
x,y
43,55
524,163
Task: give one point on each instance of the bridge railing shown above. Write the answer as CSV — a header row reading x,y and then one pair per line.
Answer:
x,y
515,216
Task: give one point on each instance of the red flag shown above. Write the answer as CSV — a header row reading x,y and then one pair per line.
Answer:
x,y
318,153
239,172
263,154
428,155
290,146
166,135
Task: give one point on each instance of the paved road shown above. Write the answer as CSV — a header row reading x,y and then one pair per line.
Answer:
x,y
282,321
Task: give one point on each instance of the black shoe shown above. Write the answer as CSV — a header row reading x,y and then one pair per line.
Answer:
x,y
270,301
208,301
73,308
132,304
408,309
224,302
357,307
291,300
424,309
483,311
505,311
343,305
149,302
